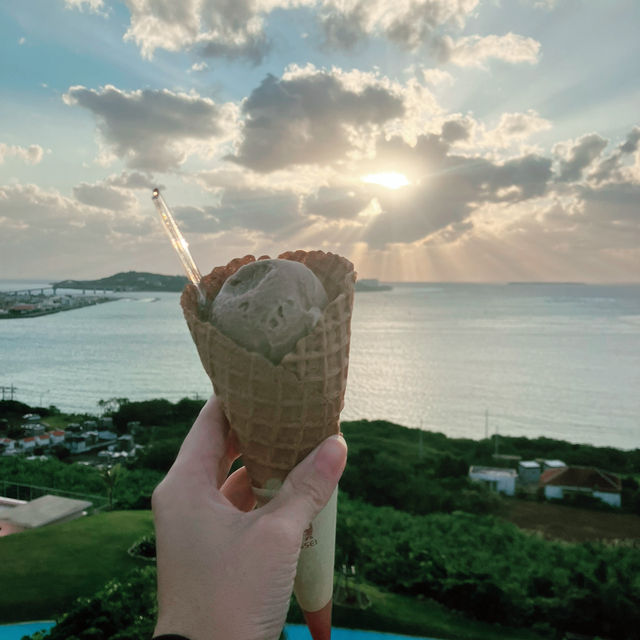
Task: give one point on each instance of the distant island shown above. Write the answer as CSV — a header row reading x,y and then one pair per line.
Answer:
x,y
545,282
127,281
371,284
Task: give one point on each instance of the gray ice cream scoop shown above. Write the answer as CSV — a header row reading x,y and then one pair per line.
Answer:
x,y
268,305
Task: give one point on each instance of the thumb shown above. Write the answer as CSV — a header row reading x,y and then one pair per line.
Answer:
x,y
308,487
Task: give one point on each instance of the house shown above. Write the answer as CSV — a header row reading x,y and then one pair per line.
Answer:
x,y
27,443
77,442
32,428
553,464
7,446
41,512
43,440
126,443
57,437
561,482
74,427
529,471
500,480
107,436
33,418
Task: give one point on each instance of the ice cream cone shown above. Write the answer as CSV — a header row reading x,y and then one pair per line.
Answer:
x,y
280,413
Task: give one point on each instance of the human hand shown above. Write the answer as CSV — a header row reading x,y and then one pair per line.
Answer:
x,y
226,571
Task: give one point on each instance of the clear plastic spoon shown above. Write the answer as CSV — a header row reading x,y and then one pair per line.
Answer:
x,y
179,243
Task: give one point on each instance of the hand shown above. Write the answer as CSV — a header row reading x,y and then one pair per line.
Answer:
x,y
225,570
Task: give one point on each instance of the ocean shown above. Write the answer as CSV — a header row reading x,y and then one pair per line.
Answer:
x,y
554,360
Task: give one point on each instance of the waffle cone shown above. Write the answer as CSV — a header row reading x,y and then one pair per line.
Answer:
x,y
279,413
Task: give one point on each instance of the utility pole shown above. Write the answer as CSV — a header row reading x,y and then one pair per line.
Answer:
x,y
486,424
496,449
8,390
420,442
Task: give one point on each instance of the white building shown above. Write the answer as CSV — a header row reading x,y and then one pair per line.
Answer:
x,y
7,446
57,437
561,482
500,480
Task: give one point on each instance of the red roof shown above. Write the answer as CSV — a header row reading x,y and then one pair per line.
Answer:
x,y
57,433
582,478
44,436
6,440
28,439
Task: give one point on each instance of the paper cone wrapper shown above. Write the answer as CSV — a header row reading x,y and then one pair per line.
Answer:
x,y
280,413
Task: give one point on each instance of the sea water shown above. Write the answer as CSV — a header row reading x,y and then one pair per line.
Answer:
x,y
561,361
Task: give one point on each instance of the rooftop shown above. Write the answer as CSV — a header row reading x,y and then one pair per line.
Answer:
x,y
45,510
582,477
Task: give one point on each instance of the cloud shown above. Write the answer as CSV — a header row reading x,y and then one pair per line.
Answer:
x,y
515,127
270,212
610,168
446,188
474,51
411,24
338,202
313,117
216,28
576,157
95,6
151,130
104,196
31,155
22,40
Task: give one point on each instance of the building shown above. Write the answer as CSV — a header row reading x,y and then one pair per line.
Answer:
x,y
26,444
43,440
41,512
7,446
57,437
553,464
561,482
77,442
500,480
529,471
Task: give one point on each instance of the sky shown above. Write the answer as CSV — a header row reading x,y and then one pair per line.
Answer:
x,y
425,140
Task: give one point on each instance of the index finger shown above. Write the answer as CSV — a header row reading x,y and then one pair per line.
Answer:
x,y
208,450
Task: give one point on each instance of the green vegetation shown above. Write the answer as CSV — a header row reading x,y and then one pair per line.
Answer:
x,y
441,562
44,570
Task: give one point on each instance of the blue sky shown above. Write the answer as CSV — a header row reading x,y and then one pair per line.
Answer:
x,y
284,124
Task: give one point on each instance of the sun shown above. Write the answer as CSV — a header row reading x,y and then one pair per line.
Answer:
x,y
390,180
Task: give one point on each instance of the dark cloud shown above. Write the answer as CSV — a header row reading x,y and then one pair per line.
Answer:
x,y
609,167
304,120
104,196
337,202
458,129
271,212
149,129
447,188
134,180
585,151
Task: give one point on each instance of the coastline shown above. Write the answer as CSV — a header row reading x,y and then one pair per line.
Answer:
x,y
46,312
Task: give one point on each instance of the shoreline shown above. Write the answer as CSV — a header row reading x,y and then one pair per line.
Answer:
x,y
47,312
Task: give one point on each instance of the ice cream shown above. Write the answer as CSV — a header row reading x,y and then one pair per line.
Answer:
x,y
283,390
268,305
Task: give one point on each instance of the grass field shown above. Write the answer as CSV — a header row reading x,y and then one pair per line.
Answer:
x,y
572,524
44,570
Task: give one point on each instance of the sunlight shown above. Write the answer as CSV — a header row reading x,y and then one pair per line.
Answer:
x,y
390,180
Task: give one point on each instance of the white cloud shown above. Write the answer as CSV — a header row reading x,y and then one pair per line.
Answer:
x,y
199,66
153,130
515,127
217,28
31,155
22,40
95,6
474,51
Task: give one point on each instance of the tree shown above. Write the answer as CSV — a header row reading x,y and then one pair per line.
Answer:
x,y
110,476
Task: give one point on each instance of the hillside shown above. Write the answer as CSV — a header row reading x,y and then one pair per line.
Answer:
x,y
128,281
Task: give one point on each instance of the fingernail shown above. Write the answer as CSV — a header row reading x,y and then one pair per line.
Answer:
x,y
331,457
